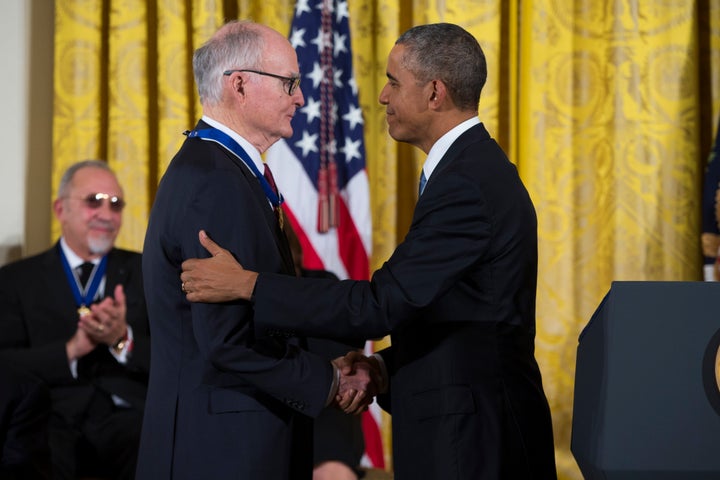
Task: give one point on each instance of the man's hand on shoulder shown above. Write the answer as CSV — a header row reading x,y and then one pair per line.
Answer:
x,y
217,279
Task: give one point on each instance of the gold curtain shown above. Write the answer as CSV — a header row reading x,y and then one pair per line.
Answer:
x,y
616,109
607,107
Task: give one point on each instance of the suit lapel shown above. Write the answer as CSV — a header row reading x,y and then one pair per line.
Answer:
x,y
268,213
115,274
476,133
55,283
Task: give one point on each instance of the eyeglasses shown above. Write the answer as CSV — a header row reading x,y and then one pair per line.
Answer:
x,y
290,83
95,201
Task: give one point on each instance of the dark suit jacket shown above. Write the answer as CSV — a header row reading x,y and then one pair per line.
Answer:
x,y
223,402
38,316
24,415
458,297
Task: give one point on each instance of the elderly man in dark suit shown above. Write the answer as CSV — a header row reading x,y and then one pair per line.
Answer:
x,y
225,401
86,338
457,295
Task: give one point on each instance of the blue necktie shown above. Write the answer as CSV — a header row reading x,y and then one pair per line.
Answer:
x,y
423,181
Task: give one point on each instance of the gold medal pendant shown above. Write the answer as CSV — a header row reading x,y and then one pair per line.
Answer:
x,y
83,310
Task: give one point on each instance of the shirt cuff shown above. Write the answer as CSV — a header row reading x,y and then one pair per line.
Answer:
x,y
334,386
73,368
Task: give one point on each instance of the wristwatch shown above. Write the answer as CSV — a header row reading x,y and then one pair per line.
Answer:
x,y
120,344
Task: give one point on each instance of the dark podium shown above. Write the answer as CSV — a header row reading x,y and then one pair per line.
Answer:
x,y
647,402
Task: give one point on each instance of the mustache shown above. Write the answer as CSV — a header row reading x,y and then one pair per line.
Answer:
x,y
102,224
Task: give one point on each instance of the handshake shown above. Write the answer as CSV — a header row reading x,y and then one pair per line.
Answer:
x,y
360,379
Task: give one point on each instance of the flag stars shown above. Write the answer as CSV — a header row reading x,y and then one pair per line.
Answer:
x,y
311,109
342,12
336,78
308,143
342,114
296,38
351,149
322,41
316,75
339,44
354,117
301,6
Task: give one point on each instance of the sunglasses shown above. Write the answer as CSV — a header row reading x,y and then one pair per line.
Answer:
x,y
95,201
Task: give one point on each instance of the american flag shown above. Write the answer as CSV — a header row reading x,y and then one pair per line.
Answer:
x,y
321,168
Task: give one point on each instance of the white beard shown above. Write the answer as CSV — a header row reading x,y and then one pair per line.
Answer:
x,y
100,245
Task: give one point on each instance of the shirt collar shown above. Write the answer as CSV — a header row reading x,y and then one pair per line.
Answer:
x,y
73,259
440,148
252,152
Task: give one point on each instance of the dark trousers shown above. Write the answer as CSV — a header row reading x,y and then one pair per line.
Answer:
x,y
104,443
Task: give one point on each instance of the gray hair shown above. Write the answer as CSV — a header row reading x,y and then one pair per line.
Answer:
x,y
447,52
236,45
66,180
